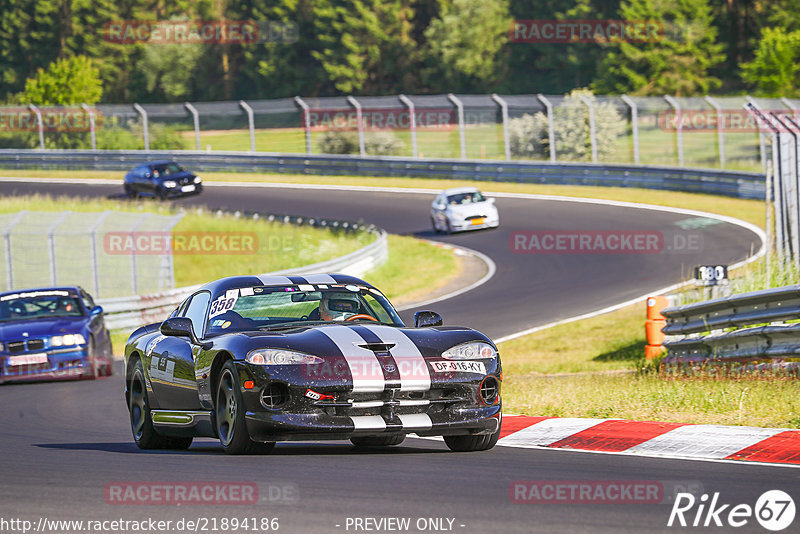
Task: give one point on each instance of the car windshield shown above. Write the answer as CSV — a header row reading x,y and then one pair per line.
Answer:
x,y
469,197
167,169
15,307
252,308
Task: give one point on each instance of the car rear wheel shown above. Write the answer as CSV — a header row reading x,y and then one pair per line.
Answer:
x,y
144,434
229,416
378,441
472,443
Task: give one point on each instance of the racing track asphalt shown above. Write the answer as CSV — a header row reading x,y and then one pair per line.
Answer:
x,y
62,443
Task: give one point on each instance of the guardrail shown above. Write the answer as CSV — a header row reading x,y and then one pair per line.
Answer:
x,y
742,337
135,311
718,182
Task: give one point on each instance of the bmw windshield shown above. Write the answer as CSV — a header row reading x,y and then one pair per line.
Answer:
x,y
253,308
44,305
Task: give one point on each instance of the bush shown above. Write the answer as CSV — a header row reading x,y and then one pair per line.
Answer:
x,y
529,134
375,143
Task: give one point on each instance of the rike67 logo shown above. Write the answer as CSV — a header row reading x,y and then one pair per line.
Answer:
x,y
774,510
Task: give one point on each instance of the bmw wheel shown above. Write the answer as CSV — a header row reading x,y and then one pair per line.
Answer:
x,y
229,416
144,434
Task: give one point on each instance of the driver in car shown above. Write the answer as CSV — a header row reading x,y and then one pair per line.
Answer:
x,y
338,306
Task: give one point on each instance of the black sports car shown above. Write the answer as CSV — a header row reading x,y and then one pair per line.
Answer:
x,y
161,179
253,360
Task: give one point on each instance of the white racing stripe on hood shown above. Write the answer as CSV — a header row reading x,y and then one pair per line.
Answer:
x,y
413,369
368,422
364,366
320,279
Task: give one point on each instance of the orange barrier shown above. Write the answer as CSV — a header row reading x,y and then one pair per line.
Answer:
x,y
653,325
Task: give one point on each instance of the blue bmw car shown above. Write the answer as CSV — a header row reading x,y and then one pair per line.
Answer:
x,y
51,334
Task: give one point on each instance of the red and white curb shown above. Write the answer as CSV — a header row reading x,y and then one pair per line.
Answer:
x,y
652,438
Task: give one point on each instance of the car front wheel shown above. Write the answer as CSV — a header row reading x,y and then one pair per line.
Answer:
x,y
229,416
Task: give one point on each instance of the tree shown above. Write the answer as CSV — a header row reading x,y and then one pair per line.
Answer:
x,y
169,69
74,80
677,63
775,71
466,41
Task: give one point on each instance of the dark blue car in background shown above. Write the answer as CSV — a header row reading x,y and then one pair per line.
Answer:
x,y
52,333
161,179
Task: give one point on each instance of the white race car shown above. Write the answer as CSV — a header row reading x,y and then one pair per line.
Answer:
x,y
463,208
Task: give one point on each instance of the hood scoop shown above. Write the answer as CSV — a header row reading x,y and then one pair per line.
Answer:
x,y
376,347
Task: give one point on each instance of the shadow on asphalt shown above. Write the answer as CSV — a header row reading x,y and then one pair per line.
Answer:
x,y
282,449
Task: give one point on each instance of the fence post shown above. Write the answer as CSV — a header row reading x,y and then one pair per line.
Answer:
x,y
134,277
196,120
39,122
51,243
306,121
461,134
592,126
504,113
9,263
250,124
791,185
678,126
143,114
762,143
360,124
720,130
93,239
551,133
634,126
412,123
90,112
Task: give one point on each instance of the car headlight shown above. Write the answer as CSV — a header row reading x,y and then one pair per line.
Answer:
x,y
170,183
67,340
280,357
470,351
197,179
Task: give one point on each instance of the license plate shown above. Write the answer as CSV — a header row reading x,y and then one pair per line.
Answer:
x,y
459,367
187,189
477,221
28,359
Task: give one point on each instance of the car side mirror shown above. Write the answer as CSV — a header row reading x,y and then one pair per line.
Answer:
x,y
178,327
97,310
427,318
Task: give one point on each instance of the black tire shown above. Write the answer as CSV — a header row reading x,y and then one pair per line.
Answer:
x,y
91,357
449,228
229,416
142,429
472,443
161,193
129,192
378,441
435,228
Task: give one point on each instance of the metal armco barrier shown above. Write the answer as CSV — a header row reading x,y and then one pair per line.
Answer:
x,y
718,182
135,311
743,338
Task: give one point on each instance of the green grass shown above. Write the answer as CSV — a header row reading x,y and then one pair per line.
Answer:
x,y
485,141
774,403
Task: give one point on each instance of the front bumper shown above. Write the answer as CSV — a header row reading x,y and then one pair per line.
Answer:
x,y
67,364
463,225
450,407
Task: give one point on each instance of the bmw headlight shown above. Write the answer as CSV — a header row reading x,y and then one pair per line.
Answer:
x,y
67,340
280,357
470,351
170,183
197,179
